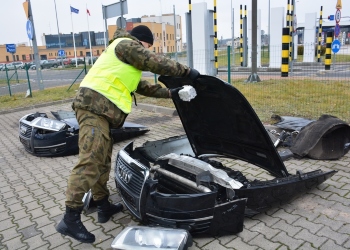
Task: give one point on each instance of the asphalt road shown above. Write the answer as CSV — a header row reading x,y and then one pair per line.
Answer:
x,y
53,78
50,77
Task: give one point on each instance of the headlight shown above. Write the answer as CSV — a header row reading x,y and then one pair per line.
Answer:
x,y
149,238
48,124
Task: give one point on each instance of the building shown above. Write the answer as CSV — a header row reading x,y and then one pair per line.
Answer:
x,y
162,27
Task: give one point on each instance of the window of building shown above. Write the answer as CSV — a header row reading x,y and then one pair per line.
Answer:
x,y
17,58
81,53
167,37
23,57
98,52
7,58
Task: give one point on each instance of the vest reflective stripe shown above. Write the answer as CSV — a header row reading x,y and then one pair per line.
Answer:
x,y
113,78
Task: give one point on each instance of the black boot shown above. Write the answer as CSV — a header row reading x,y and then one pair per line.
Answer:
x,y
105,209
72,226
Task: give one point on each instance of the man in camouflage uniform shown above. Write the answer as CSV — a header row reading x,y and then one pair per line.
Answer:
x,y
103,101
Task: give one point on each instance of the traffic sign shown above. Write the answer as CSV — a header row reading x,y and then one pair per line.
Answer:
x,y
61,53
336,30
335,46
337,16
29,28
11,48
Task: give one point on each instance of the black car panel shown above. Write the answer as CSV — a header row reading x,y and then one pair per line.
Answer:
x,y
182,181
43,136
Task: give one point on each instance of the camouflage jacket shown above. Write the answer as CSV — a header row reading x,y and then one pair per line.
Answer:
x,y
131,52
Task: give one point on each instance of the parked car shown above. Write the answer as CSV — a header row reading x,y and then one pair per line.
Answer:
x,y
94,59
66,61
2,65
13,66
58,136
79,61
47,64
190,181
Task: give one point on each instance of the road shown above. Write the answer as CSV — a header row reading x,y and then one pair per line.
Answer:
x,y
51,78
61,77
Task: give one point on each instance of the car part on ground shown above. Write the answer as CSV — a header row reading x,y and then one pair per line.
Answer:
x,y
44,136
183,182
138,237
323,139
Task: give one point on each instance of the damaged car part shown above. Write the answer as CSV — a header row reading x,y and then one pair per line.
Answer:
x,y
181,182
44,136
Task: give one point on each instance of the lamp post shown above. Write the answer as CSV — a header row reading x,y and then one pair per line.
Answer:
x,y
58,30
269,29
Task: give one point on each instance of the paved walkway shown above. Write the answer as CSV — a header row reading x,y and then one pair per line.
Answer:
x,y
32,198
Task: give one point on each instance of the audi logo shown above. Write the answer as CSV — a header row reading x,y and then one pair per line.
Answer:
x,y
124,174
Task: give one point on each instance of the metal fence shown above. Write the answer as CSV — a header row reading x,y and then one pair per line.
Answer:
x,y
25,79
309,90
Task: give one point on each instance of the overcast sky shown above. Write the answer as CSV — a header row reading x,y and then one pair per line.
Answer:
x,y
13,20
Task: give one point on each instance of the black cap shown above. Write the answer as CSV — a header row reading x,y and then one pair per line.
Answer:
x,y
143,33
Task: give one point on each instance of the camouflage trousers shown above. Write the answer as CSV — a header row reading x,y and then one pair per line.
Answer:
x,y
94,164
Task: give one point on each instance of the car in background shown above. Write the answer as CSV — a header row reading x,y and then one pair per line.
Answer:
x,y
13,66
66,61
79,61
2,65
46,64
94,59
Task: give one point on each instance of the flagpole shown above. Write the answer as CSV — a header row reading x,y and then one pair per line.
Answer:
x,y
75,51
87,18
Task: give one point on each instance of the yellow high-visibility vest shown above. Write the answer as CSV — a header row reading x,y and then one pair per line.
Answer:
x,y
113,78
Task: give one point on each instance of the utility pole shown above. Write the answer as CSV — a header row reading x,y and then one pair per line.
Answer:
x,y
254,75
32,36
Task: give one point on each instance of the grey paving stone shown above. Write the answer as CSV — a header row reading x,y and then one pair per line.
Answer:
x,y
267,231
10,233
24,223
315,240
261,241
306,224
290,229
282,214
238,243
36,242
339,238
288,241
15,243
29,232
19,214
335,225
330,244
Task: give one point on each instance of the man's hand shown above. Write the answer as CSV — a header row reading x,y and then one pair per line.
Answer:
x,y
193,74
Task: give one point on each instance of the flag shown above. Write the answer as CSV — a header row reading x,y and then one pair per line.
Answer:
x,y
87,11
74,10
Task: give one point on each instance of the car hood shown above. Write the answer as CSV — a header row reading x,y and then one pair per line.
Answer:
x,y
219,120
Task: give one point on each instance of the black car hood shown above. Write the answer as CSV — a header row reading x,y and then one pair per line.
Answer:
x,y
219,120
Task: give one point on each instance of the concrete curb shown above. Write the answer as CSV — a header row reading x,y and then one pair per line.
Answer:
x,y
142,106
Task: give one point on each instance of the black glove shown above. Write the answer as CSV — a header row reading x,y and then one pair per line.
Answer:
x,y
193,74
175,93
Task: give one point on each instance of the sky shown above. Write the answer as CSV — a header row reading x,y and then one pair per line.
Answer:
x,y
13,19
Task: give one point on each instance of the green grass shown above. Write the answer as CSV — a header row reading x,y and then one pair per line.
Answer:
x,y
285,97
